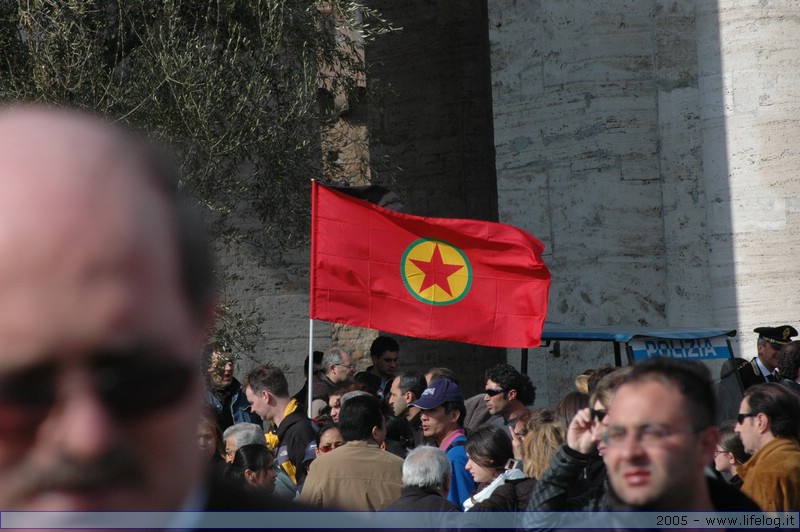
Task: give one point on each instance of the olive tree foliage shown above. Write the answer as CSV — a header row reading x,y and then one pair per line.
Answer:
x,y
230,85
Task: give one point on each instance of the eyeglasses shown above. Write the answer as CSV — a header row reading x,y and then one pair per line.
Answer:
x,y
647,436
329,447
492,392
719,452
599,414
348,366
741,417
130,384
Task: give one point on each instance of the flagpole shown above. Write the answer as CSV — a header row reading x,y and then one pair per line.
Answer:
x,y
310,364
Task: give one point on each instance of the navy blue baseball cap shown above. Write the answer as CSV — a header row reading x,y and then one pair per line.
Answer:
x,y
438,393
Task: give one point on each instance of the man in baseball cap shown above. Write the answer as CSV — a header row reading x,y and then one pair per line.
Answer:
x,y
770,341
442,406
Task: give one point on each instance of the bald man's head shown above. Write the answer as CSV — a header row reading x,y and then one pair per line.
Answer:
x,y
99,332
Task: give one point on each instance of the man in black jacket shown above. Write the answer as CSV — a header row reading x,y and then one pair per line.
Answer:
x,y
659,436
268,392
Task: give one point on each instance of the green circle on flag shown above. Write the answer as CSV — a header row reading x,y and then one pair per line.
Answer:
x,y
436,272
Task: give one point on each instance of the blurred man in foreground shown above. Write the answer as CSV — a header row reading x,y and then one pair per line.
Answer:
x,y
107,298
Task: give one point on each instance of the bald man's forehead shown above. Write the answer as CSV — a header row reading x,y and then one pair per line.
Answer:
x,y
83,229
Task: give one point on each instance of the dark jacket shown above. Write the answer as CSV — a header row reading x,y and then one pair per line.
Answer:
x,y
555,490
413,498
294,433
751,374
322,387
551,493
231,406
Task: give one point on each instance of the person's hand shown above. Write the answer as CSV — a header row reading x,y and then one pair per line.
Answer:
x,y
579,432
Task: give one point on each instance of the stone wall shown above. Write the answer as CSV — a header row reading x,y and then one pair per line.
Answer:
x,y
652,146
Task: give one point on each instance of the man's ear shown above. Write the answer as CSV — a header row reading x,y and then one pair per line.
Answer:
x,y
512,394
410,397
762,423
455,414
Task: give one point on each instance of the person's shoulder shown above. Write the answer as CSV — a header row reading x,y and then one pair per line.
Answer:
x,y
297,423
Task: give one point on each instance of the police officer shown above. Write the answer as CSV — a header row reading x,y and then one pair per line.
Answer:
x,y
770,341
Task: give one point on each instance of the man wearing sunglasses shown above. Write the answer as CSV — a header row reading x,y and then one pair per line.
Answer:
x,y
107,299
658,435
768,424
507,393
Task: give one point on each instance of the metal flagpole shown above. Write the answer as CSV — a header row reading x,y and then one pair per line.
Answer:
x,y
310,364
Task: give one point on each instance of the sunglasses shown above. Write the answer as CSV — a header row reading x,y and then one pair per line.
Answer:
x,y
599,415
328,448
492,392
741,417
131,385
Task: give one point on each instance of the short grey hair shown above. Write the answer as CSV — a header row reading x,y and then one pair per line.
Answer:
x,y
350,395
245,434
334,356
426,467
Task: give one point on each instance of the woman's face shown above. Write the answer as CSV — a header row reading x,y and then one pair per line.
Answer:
x,y
723,460
205,440
330,440
480,473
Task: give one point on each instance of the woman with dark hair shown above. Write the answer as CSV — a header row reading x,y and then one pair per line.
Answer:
x,y
545,433
489,452
254,467
329,438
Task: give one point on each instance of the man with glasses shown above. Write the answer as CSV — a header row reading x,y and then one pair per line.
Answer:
x,y
769,424
107,299
239,435
507,394
337,368
659,438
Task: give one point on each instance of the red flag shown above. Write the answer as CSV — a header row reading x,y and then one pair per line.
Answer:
x,y
448,279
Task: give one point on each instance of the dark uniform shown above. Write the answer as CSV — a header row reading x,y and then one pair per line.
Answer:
x,y
777,337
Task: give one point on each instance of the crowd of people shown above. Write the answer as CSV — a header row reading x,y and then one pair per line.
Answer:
x,y
637,437
108,295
